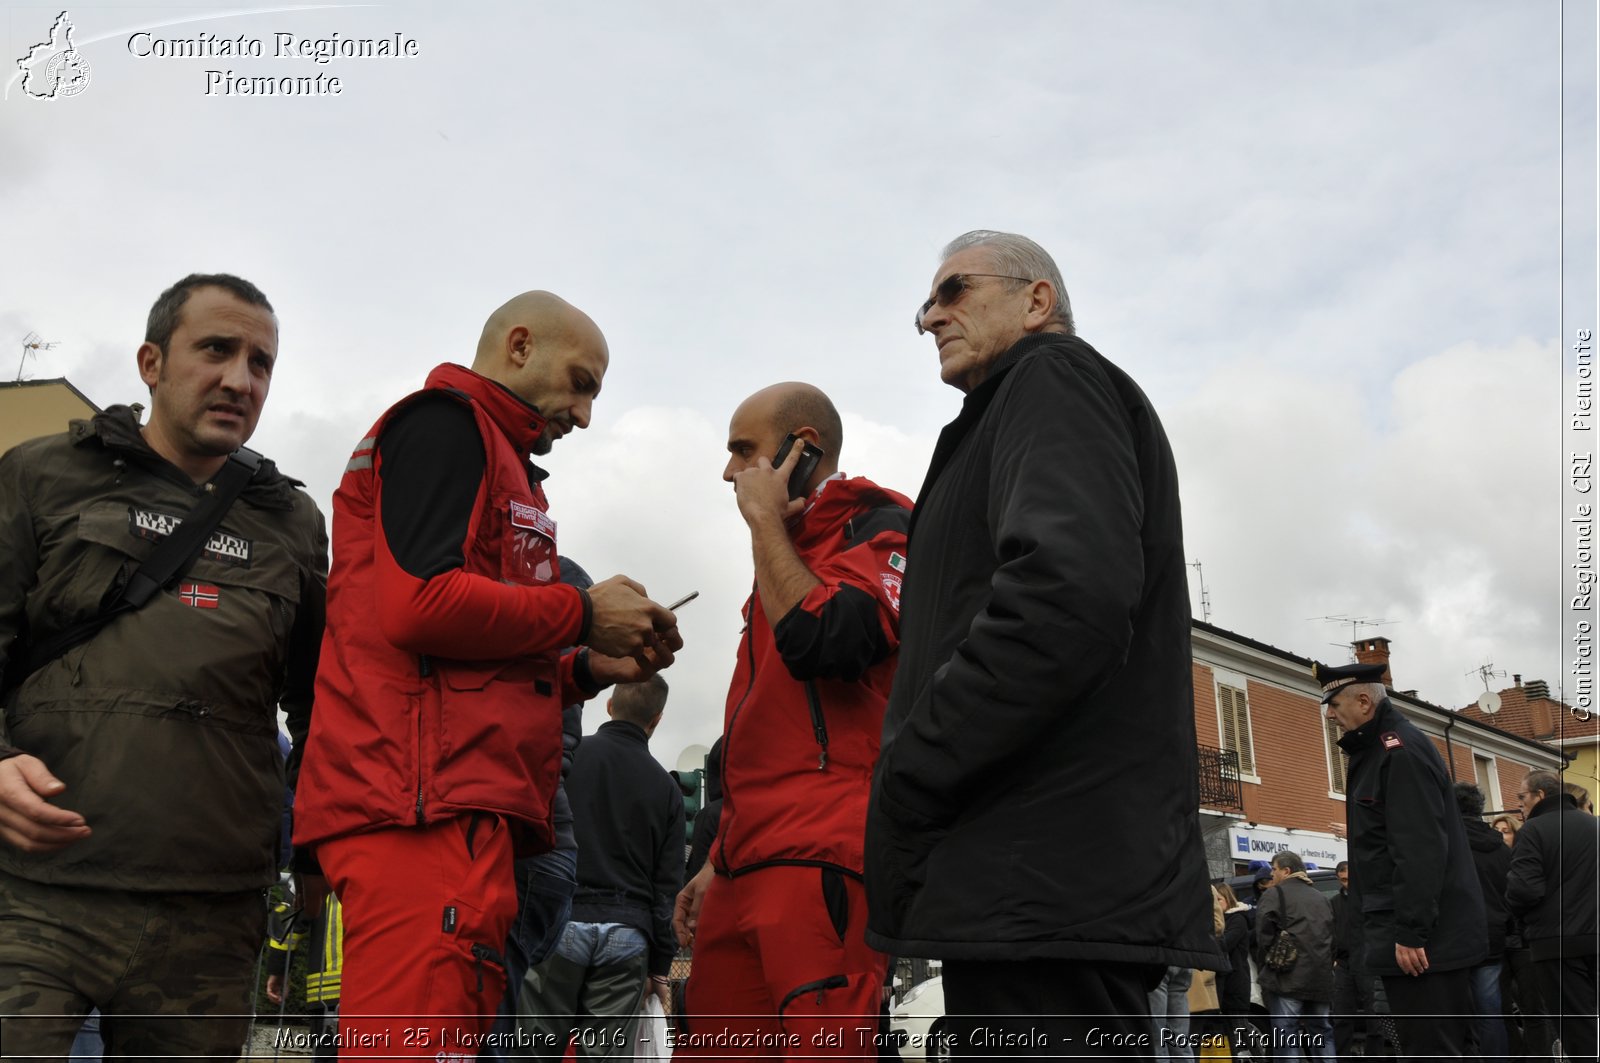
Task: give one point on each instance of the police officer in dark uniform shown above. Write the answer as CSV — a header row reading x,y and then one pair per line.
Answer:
x,y
1412,882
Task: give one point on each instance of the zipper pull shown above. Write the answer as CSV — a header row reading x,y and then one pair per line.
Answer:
x,y
822,761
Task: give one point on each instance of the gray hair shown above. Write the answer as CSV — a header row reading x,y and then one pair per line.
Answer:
x,y
1018,256
1290,861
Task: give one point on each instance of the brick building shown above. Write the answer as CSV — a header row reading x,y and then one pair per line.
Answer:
x,y
1527,709
1272,775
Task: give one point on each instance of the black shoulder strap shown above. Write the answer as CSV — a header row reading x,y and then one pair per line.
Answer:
x,y
171,558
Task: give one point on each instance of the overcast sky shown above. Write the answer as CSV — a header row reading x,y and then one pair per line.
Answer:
x,y
1324,237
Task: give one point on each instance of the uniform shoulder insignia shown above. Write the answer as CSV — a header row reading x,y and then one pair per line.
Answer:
x,y
1391,740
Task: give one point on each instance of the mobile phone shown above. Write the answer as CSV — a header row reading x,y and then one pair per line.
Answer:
x,y
809,456
685,600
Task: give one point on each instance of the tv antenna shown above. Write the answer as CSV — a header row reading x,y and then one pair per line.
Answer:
x,y
32,343
1488,701
1356,624
1205,595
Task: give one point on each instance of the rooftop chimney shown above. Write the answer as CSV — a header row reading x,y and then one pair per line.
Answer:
x,y
1537,691
1375,651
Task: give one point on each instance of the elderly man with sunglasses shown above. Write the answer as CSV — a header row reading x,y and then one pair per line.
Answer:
x,y
1044,669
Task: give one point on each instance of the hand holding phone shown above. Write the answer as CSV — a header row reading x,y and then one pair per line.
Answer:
x,y
809,457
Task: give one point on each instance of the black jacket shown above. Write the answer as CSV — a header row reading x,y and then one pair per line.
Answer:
x,y
1044,671
1552,880
628,814
1346,931
1234,986
1411,874
1300,908
1492,858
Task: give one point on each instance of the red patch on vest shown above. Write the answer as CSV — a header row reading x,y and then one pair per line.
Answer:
x,y
526,516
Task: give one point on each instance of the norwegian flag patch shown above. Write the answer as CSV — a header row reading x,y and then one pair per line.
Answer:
x,y
200,595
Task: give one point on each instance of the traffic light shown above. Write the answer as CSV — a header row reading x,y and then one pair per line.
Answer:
x,y
693,785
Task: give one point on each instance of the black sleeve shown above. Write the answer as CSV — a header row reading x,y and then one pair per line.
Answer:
x,y
840,642
431,462
705,836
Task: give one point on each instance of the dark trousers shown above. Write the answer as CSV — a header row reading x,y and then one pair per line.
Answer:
x,y
1352,1011
1433,1012
1568,986
1003,1009
1522,1000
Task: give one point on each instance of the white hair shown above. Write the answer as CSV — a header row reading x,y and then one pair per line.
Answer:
x,y
1018,256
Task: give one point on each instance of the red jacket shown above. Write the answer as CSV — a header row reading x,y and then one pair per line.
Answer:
x,y
805,708
441,693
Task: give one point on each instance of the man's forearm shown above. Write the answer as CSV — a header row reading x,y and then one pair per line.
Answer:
x,y
782,578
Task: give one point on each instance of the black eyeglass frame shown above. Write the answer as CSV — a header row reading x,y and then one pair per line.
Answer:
x,y
950,289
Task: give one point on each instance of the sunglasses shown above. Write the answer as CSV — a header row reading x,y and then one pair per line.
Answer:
x,y
954,287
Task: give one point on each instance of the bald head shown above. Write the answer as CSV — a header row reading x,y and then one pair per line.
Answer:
x,y
543,316
792,406
762,421
548,352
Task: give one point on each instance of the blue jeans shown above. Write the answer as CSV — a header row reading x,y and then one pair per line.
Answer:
x,y
87,1045
1300,1028
589,988
544,901
1169,1011
1488,1025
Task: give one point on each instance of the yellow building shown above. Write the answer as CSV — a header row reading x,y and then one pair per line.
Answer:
x,y
32,408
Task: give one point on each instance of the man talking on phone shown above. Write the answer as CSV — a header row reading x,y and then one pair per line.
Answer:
x,y
777,916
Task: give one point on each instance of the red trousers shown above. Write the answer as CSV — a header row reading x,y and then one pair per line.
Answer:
x,y
782,968
426,913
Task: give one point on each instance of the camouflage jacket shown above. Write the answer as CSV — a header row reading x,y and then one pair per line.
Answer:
x,y
163,725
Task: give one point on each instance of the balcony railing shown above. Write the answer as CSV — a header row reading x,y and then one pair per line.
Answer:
x,y
1219,779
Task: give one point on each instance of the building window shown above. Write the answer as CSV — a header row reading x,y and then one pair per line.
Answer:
x,y
1338,763
1488,780
1233,711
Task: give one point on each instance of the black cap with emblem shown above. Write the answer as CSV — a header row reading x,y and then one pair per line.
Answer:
x,y
1335,679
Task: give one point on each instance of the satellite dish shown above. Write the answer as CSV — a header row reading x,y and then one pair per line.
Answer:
x,y
1489,702
693,758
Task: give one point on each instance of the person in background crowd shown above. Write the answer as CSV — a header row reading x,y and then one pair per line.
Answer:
x,y
710,815
1492,860
1579,795
545,881
1353,1030
1299,994
618,946
1507,826
1552,886
1411,872
1237,932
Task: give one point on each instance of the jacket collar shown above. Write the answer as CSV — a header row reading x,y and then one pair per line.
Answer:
x,y
1366,736
838,498
521,422
625,729
1558,803
977,403
116,430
